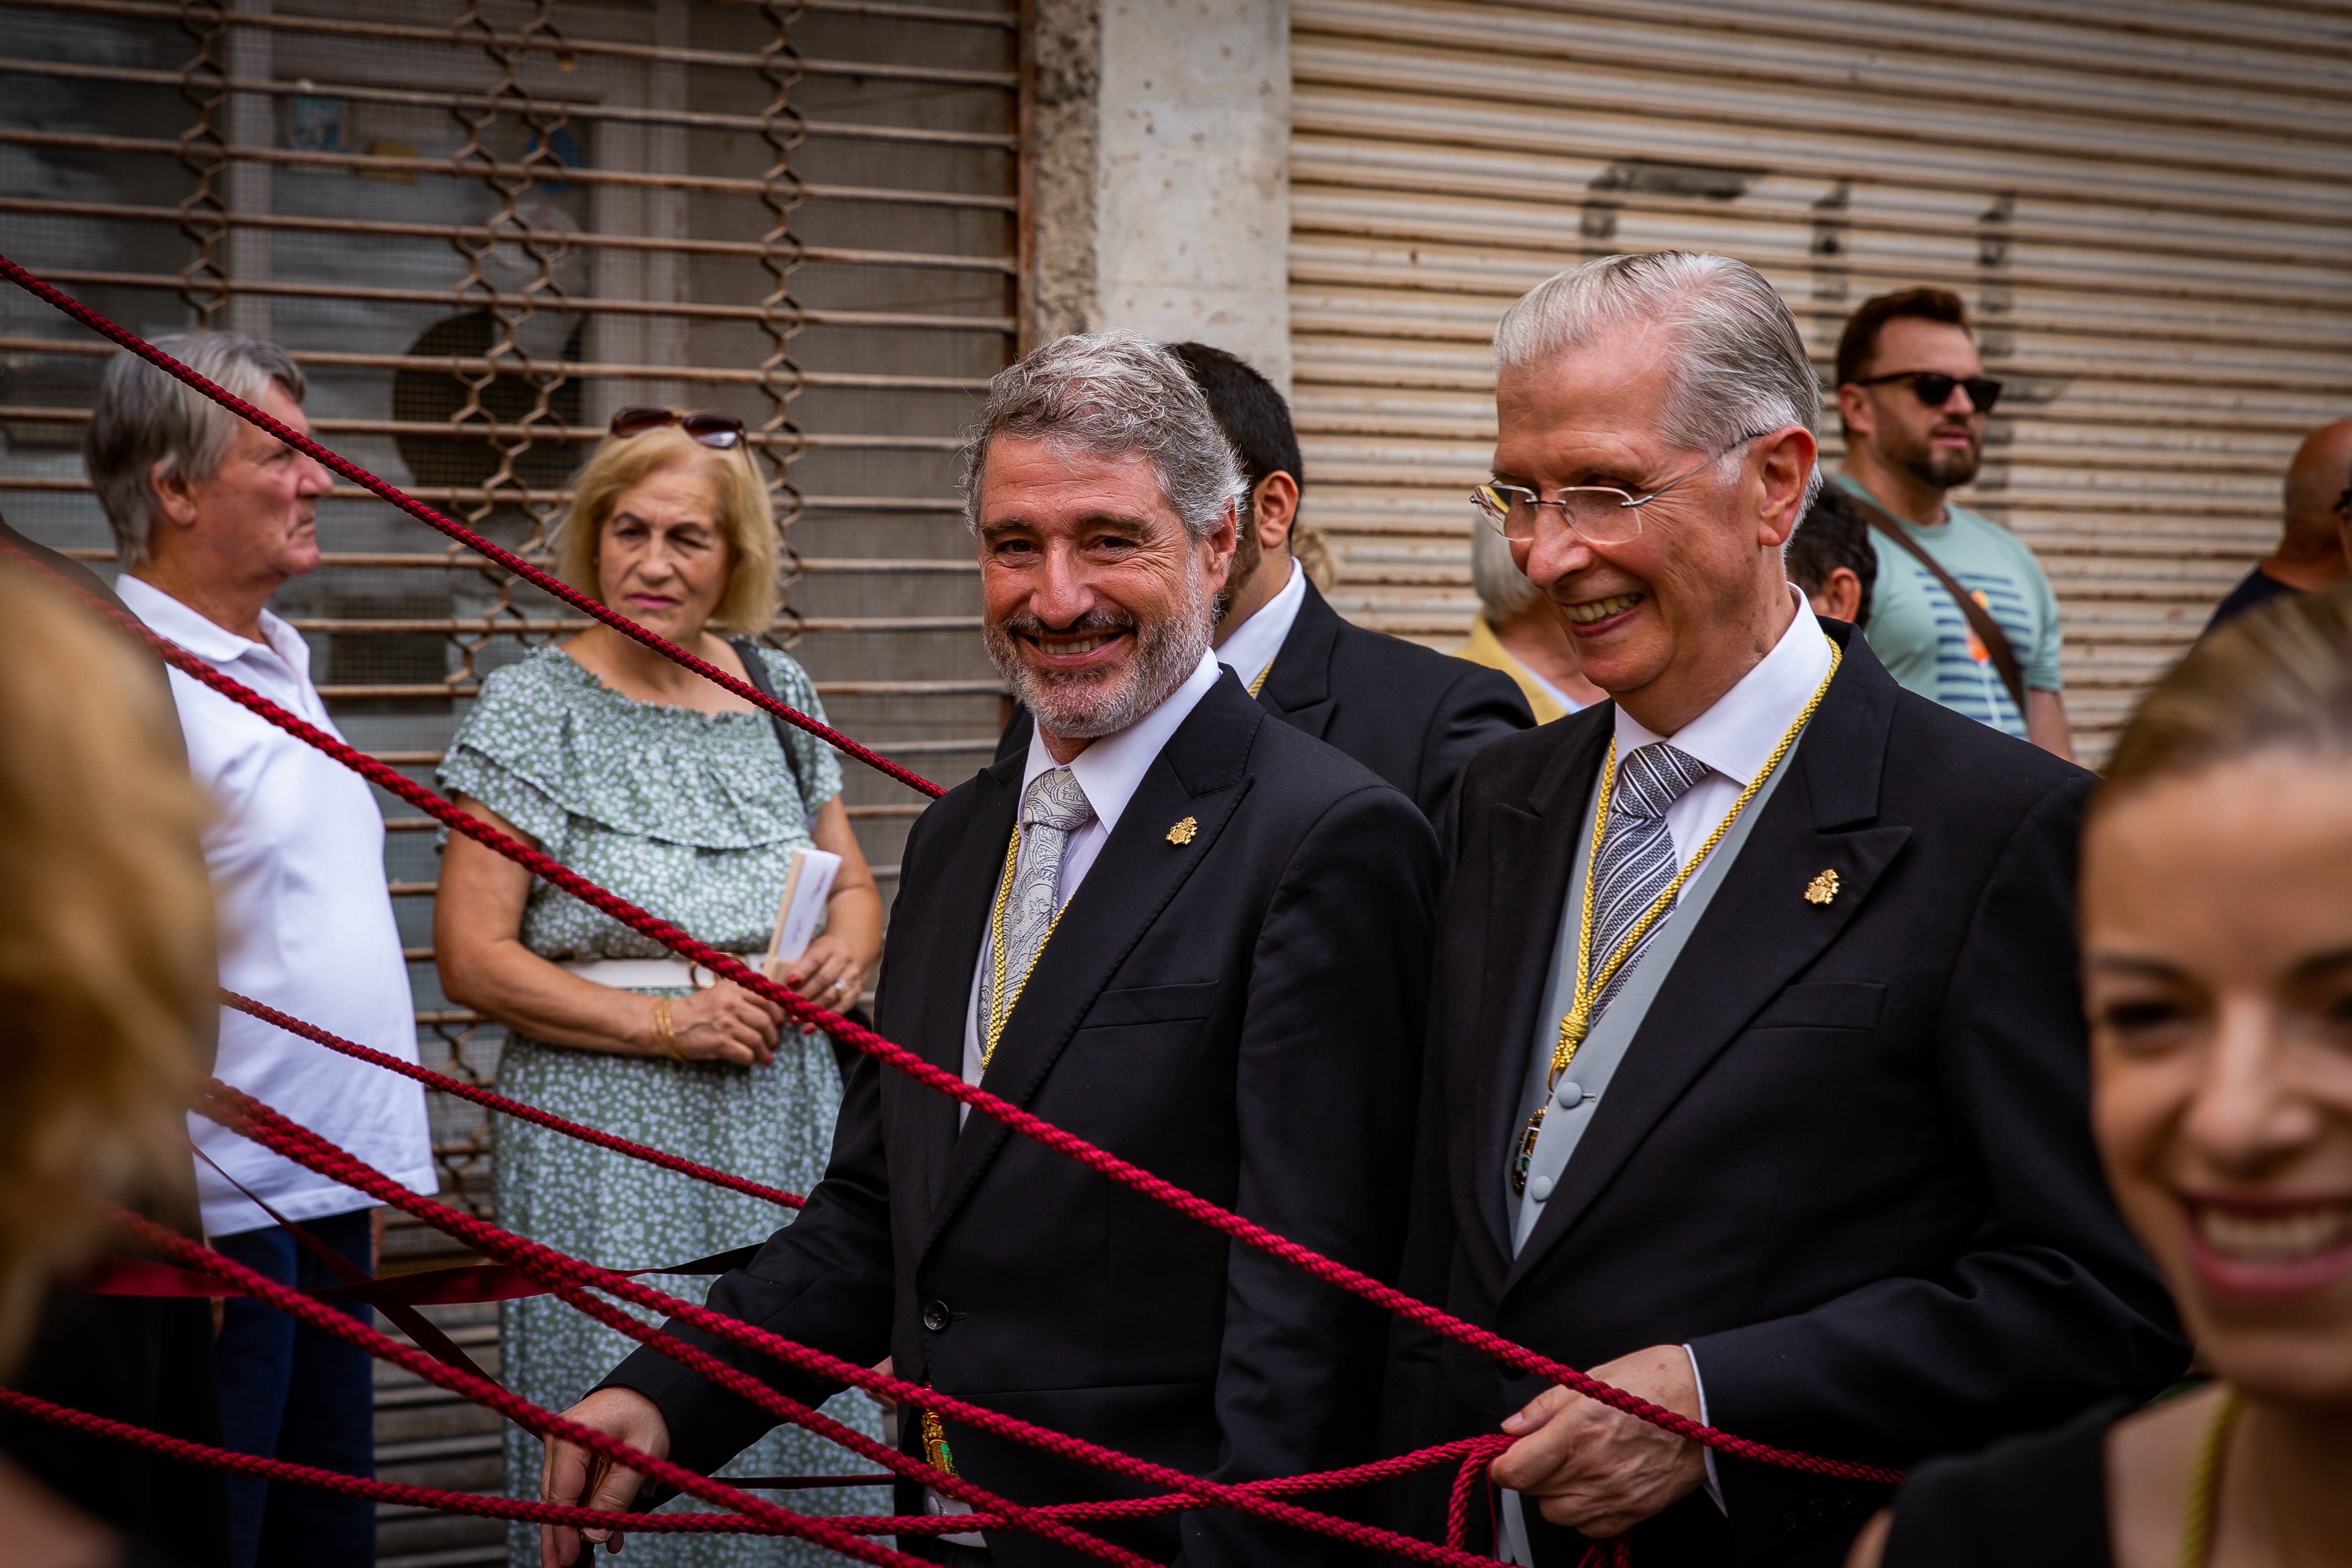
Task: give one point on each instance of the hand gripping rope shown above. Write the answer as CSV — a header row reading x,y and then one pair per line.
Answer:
x,y
466,536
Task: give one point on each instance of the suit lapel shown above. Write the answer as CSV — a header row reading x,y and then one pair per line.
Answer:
x,y
1200,773
1757,933
1531,850
962,896
1297,689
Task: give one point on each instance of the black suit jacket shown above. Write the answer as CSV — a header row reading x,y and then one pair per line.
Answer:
x,y
1412,716
1240,1013
1847,1159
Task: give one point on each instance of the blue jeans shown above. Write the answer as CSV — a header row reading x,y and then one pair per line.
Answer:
x,y
291,1392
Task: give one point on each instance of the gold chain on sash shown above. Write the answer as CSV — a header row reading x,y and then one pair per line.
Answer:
x,y
1577,1022
1000,1005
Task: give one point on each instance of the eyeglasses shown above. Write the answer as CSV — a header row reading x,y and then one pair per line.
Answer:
x,y
1933,388
1601,514
717,431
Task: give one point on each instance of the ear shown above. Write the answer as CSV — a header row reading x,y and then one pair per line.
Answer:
x,y
1853,408
1840,596
174,494
1788,462
1220,542
1274,508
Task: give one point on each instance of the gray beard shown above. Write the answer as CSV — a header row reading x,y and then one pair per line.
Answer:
x,y
1086,707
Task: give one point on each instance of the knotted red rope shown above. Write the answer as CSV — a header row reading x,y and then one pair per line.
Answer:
x,y
497,552
729,966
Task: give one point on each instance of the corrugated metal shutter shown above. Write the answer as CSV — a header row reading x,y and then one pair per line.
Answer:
x,y
481,226
2144,207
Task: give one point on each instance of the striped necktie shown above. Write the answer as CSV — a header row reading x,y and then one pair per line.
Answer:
x,y
1637,852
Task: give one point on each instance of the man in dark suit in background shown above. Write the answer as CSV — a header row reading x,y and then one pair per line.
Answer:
x,y
1235,1002
1409,714
1764,1096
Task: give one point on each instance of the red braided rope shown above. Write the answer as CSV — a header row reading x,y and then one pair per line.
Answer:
x,y
516,1408
528,1510
241,1114
514,1108
532,1511
502,556
1465,1485
729,966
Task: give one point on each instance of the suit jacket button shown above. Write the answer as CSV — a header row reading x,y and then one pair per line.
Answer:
x,y
935,1316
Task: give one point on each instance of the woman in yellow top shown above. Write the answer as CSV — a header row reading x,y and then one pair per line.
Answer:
x,y
1519,632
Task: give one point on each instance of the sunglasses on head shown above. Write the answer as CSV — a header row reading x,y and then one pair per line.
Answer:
x,y
720,431
1933,388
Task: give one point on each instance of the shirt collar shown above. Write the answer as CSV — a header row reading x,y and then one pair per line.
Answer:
x,y
1252,645
1111,771
212,643
1736,735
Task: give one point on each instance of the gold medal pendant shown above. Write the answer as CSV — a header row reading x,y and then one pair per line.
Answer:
x,y
1527,1153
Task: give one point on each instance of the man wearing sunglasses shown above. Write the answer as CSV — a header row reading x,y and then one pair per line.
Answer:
x,y
1962,613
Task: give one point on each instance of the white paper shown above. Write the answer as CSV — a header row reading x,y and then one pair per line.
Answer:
x,y
801,911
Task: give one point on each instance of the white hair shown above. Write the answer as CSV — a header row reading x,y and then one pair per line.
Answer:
x,y
1740,364
145,416
1503,589
1118,394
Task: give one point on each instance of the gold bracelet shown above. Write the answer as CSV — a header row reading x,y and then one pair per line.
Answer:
x,y
665,1032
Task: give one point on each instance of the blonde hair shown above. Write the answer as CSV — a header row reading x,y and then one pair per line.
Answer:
x,y
746,519
2277,678
106,968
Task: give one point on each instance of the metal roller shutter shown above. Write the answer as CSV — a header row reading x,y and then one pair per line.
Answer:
x,y
481,226
2144,206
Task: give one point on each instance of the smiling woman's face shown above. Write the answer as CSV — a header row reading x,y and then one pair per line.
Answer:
x,y
2217,925
662,560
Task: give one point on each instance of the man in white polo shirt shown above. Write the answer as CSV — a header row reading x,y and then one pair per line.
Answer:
x,y
210,517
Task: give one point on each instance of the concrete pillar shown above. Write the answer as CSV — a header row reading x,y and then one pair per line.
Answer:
x,y
1182,203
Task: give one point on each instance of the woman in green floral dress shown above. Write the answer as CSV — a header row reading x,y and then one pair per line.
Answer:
x,y
678,796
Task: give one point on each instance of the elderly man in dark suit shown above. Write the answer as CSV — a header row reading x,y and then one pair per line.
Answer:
x,y
1234,1001
1756,1064
1412,715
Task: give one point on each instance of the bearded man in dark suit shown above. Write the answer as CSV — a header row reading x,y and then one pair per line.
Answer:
x,y
1234,1001
1757,1079
1412,715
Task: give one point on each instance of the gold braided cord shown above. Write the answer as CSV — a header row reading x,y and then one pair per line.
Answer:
x,y
2198,1508
1259,684
1000,1005
1577,1020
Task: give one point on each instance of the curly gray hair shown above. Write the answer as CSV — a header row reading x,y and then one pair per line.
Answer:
x,y
1114,393
1739,361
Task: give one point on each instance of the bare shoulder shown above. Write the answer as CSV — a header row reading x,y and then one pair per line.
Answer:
x,y
2149,1455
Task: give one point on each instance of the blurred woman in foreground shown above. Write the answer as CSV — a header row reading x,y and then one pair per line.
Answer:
x,y
105,982
2217,940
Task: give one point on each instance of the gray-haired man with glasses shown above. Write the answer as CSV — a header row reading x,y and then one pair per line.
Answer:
x,y
1756,1079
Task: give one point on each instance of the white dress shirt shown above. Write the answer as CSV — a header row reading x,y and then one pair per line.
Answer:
x,y
1249,647
296,855
1735,736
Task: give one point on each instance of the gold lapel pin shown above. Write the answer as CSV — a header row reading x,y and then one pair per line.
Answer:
x,y
1821,889
1183,832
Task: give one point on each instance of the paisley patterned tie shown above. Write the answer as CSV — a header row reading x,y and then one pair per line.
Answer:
x,y
1052,808
1637,851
